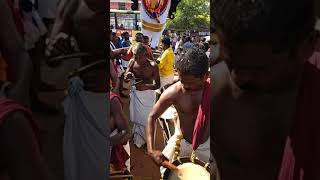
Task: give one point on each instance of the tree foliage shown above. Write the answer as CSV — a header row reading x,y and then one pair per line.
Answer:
x,y
191,15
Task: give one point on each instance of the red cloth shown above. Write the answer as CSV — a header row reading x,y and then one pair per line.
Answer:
x,y
304,152
119,155
17,17
8,106
203,116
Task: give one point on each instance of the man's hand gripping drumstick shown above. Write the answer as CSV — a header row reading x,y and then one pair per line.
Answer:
x,y
159,108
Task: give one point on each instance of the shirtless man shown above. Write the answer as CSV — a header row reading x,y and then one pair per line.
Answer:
x,y
20,157
255,87
145,74
143,70
140,38
120,134
85,20
186,96
118,121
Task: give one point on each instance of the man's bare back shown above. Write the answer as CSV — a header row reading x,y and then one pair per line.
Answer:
x,y
249,129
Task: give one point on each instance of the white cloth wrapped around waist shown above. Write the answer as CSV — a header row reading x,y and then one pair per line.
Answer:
x,y
141,103
86,142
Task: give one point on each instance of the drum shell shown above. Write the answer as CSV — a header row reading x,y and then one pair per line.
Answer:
x,y
167,173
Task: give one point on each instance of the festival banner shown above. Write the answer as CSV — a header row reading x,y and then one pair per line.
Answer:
x,y
154,15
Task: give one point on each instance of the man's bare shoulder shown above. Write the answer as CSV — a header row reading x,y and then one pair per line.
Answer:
x,y
220,78
174,90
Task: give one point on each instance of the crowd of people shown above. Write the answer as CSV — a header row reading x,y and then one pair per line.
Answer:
x,y
22,38
180,68
263,104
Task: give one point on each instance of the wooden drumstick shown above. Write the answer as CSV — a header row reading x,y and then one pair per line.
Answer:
x,y
68,56
169,165
138,82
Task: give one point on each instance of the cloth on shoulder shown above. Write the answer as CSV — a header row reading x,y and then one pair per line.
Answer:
x,y
302,151
203,116
8,107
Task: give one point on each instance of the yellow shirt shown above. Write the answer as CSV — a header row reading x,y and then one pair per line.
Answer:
x,y
166,63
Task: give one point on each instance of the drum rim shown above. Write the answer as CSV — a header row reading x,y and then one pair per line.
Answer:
x,y
184,160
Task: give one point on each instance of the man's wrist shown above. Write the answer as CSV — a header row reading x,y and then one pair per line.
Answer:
x,y
150,149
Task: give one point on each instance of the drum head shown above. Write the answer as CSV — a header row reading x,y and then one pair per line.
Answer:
x,y
188,170
169,113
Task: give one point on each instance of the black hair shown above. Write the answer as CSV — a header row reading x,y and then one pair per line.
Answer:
x,y
114,34
139,33
285,24
193,61
166,41
188,38
145,37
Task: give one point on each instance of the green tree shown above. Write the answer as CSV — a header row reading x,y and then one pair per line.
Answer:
x,y
191,15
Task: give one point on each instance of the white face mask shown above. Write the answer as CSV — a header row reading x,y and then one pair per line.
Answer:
x,y
214,51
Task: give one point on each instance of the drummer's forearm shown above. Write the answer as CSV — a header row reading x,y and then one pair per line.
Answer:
x,y
63,22
150,133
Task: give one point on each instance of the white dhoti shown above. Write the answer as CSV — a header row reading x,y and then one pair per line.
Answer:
x,y
86,134
141,104
166,80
